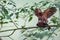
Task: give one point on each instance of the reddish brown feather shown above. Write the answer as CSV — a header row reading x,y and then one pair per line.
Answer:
x,y
38,12
42,16
49,12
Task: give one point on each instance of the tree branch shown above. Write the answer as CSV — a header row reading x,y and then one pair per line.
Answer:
x,y
25,28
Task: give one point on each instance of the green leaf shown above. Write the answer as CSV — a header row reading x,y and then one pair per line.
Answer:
x,y
27,6
58,5
10,3
41,1
24,10
40,35
11,15
30,18
21,10
35,3
23,30
3,22
14,5
55,34
31,15
22,26
32,8
45,3
4,1
54,20
5,10
17,15
10,21
1,17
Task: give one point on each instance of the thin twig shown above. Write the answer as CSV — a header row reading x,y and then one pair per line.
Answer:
x,y
24,28
1,24
11,38
0,38
51,34
9,34
14,23
10,18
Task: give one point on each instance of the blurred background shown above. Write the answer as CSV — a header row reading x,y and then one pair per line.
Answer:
x,y
19,14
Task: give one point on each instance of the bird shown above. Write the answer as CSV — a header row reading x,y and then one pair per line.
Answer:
x,y
43,16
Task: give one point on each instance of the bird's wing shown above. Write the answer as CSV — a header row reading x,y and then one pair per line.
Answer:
x,y
49,12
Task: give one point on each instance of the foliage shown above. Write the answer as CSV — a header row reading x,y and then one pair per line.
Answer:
x,y
54,19
27,15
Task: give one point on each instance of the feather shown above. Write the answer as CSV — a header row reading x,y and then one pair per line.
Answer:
x,y
38,12
43,16
49,12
